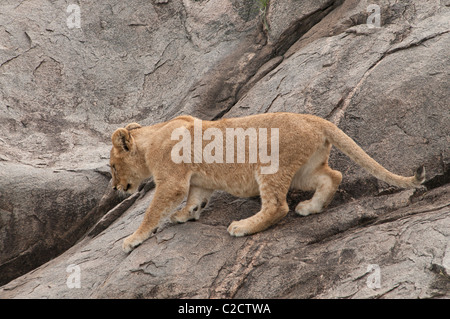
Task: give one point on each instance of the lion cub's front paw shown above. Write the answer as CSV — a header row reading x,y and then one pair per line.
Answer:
x,y
239,228
130,243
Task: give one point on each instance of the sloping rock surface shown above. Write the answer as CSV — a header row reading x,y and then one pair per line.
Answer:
x,y
322,256
64,90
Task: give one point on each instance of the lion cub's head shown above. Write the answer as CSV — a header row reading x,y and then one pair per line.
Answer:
x,y
128,167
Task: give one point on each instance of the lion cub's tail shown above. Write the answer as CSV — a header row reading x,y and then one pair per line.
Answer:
x,y
343,142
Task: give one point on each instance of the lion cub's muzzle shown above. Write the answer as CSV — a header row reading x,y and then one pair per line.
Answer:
x,y
121,188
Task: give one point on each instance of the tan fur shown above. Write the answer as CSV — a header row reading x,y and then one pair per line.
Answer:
x,y
304,147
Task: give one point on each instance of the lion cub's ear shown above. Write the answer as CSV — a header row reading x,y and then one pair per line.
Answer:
x,y
122,139
132,126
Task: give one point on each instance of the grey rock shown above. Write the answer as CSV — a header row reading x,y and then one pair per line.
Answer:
x,y
386,74
321,256
288,21
43,212
64,90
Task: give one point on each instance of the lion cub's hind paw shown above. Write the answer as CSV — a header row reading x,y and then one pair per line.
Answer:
x,y
307,208
238,228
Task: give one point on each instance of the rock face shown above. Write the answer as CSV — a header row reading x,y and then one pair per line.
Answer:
x,y
64,89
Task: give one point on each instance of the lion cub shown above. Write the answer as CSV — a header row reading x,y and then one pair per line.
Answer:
x,y
190,157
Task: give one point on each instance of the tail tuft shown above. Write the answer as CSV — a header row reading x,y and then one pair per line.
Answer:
x,y
420,175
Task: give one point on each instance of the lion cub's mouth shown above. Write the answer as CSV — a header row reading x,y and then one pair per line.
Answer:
x,y
123,189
